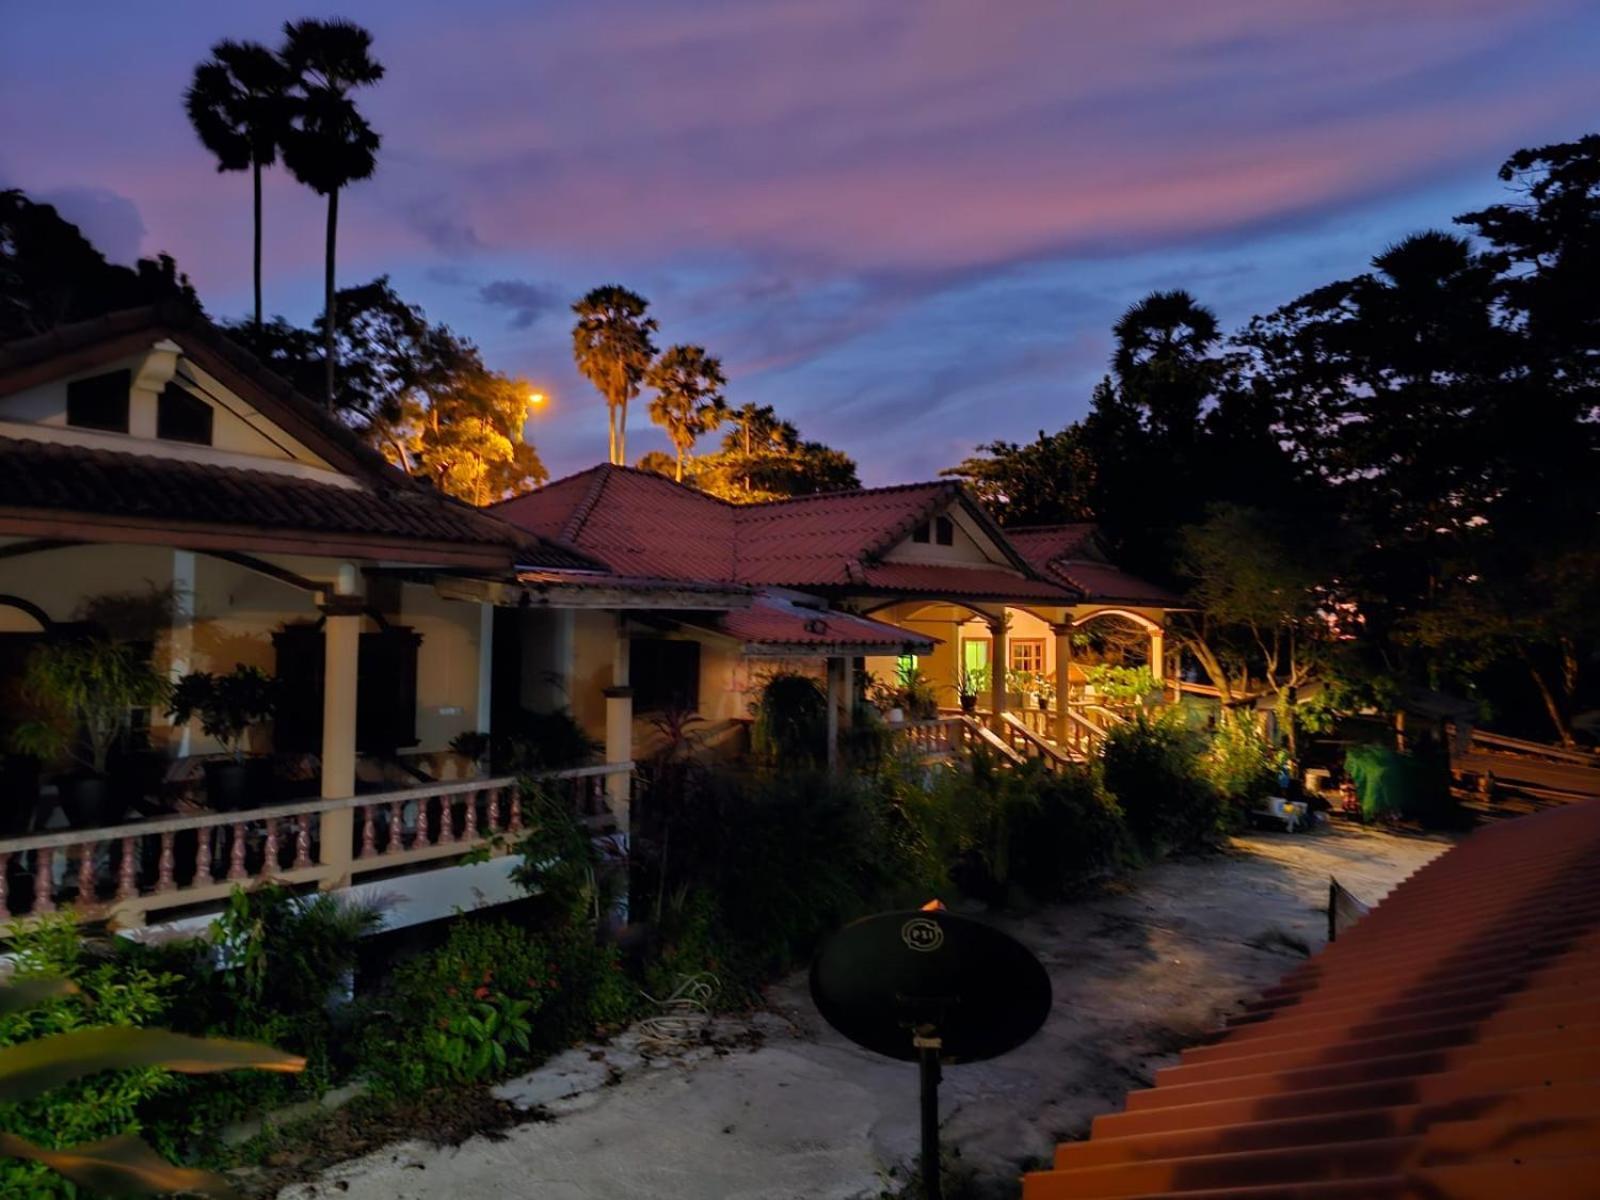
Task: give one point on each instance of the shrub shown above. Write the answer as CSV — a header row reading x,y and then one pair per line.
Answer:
x,y
791,721
1239,762
110,992
1063,830
536,741
463,1012
1153,767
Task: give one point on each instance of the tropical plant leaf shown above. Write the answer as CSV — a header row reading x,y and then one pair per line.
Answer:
x,y
30,1069
118,1166
20,994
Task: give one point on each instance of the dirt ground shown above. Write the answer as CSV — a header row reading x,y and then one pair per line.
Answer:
x,y
781,1106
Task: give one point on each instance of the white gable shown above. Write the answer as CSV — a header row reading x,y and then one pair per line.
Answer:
x,y
968,544
240,435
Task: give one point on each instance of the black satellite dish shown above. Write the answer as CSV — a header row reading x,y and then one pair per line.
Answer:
x,y
929,987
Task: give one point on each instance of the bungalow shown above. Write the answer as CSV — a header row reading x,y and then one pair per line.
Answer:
x,y
154,474
924,566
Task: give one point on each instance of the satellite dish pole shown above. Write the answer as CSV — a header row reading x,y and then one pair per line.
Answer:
x,y
928,1045
929,987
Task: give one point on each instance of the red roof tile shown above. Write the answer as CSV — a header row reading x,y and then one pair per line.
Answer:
x,y
640,523
1447,1045
779,622
38,477
1068,553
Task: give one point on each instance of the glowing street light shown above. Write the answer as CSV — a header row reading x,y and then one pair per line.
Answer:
x,y
537,399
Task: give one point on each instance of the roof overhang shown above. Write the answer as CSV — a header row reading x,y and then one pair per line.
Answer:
x,y
593,590
57,525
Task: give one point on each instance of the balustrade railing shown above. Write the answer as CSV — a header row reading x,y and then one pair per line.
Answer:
x,y
125,873
931,738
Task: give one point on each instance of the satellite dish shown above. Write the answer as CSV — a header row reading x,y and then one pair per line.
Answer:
x,y
929,987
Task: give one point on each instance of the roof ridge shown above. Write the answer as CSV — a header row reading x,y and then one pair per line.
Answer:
x,y
585,507
857,491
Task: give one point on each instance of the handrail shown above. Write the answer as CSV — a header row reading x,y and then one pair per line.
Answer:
x,y
992,740
130,870
1499,741
1041,748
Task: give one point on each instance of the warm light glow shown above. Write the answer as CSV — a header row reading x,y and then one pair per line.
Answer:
x,y
933,906
536,399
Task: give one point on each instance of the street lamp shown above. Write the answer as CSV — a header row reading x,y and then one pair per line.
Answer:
x,y
536,399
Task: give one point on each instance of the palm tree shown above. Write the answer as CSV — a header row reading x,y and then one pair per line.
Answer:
x,y
611,344
688,404
237,104
329,144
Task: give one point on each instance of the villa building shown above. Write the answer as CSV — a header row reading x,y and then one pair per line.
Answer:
x,y
144,457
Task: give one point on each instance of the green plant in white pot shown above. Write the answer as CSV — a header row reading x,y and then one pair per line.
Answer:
x,y
83,692
229,707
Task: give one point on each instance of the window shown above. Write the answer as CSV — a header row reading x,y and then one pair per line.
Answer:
x,y
1027,654
665,674
944,531
920,533
182,416
100,402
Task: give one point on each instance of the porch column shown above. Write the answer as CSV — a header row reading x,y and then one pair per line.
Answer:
x,y
838,688
619,728
485,666
999,659
341,654
1063,638
1158,653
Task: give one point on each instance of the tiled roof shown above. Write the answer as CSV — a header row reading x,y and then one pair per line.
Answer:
x,y
68,349
57,478
641,523
778,621
1446,1046
974,583
70,480
1068,553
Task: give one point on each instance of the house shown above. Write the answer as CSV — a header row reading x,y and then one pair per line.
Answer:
x,y
145,452
925,560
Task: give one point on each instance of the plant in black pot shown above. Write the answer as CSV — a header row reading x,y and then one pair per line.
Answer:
x,y
229,707
974,680
83,692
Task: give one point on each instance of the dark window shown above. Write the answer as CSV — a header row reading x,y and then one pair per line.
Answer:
x,y
182,416
664,674
944,531
920,533
100,402
386,689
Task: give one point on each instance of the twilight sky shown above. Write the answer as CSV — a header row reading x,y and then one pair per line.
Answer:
x,y
907,224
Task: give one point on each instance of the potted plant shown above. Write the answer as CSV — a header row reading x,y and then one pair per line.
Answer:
x,y
84,691
1043,692
973,681
228,706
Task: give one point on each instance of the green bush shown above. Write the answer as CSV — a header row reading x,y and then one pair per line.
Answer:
x,y
272,968
111,992
791,721
1154,769
1064,830
463,1012
1240,764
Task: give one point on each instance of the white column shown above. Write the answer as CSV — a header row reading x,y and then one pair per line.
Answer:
x,y
838,670
619,727
1063,640
1158,653
341,655
485,665
999,658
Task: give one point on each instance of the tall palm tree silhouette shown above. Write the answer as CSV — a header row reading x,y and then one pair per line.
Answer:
x,y
328,144
688,404
612,347
237,103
